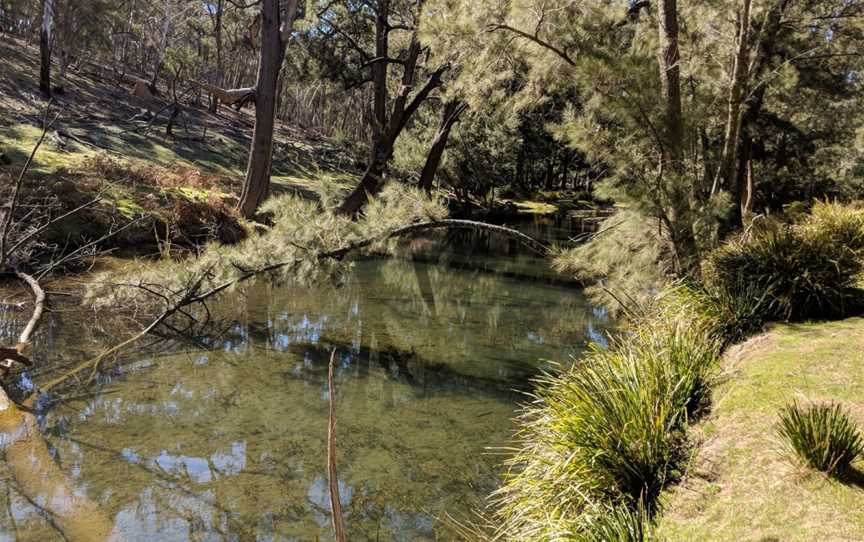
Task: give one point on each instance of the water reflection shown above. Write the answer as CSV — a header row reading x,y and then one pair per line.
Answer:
x,y
228,442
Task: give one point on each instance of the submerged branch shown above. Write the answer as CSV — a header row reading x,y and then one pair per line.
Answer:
x,y
332,475
38,308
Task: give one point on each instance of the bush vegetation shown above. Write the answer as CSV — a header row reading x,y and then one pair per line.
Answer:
x,y
805,269
822,436
610,432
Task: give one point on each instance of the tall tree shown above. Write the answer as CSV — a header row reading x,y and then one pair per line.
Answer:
x,y
275,30
46,31
390,116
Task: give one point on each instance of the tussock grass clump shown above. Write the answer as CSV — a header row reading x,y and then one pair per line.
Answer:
x,y
619,524
822,436
807,269
610,430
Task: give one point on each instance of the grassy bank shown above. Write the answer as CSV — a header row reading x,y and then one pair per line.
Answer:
x,y
606,439
742,485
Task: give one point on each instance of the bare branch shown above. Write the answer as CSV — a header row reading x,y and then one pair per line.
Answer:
x,y
7,222
545,44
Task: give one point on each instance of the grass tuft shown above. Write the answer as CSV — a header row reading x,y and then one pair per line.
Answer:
x,y
822,436
611,429
803,270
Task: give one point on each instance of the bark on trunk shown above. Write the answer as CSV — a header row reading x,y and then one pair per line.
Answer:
x,y
382,150
214,100
678,206
379,74
45,46
669,58
737,90
274,37
452,112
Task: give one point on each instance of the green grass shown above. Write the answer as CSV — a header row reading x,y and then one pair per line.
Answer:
x,y
610,431
741,484
821,435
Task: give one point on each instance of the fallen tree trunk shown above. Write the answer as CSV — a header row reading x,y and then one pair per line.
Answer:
x,y
239,96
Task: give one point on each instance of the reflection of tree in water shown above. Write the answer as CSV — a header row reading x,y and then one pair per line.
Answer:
x,y
232,441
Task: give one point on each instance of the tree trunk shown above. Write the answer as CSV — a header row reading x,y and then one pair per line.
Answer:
x,y
452,110
379,75
669,59
45,46
737,90
214,101
274,37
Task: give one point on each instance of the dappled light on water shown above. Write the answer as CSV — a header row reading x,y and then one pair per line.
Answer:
x,y
224,437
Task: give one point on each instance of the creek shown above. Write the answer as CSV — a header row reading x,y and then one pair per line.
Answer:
x,y
224,437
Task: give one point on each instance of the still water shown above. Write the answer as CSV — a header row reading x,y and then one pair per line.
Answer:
x,y
226,440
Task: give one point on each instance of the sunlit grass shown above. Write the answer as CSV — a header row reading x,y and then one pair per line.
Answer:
x,y
821,435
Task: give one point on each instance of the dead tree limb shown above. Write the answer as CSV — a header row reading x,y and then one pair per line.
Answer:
x,y
332,475
449,223
38,307
238,97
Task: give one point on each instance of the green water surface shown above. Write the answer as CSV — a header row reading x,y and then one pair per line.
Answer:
x,y
227,440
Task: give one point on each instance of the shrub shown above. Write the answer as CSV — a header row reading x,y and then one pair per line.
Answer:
x,y
822,436
807,269
610,429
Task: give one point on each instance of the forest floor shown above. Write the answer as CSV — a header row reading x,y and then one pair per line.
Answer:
x,y
95,147
742,485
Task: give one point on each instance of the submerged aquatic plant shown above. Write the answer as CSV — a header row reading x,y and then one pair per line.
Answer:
x,y
822,436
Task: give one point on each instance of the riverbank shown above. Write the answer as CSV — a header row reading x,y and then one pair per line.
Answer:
x,y
740,486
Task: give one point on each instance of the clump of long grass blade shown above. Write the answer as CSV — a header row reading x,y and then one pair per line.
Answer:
x,y
821,435
620,523
609,430
807,269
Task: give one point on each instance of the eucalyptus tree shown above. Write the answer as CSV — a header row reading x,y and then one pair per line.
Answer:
x,y
361,42
276,25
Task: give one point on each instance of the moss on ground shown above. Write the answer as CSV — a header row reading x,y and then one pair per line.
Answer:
x,y
742,485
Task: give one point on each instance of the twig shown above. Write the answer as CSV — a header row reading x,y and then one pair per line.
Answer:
x,y
8,218
53,221
38,307
332,475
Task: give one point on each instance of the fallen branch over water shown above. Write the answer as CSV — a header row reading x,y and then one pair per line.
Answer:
x,y
193,293
449,223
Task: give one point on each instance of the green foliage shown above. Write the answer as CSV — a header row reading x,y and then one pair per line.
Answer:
x,y
301,231
807,269
822,436
627,257
619,524
611,428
